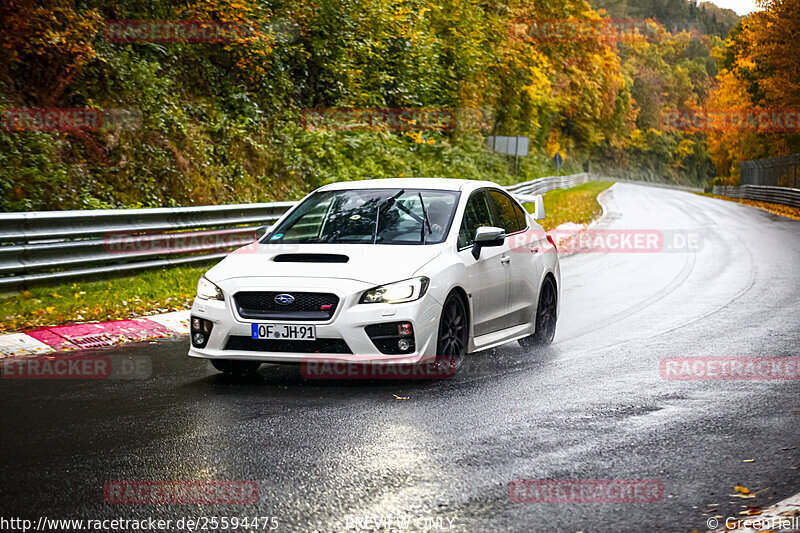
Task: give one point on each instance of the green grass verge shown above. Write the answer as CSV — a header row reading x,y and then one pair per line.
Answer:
x,y
145,293
171,289
578,204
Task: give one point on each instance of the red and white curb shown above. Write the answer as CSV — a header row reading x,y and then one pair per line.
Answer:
x,y
93,335
567,230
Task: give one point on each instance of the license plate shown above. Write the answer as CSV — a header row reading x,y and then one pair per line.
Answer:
x,y
298,332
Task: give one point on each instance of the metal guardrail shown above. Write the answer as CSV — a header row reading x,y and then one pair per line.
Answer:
x,y
764,193
781,171
775,180
656,184
48,246
550,183
54,245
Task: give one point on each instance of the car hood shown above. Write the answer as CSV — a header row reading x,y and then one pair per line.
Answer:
x,y
370,263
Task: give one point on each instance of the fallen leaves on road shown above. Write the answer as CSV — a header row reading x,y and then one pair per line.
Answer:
x,y
776,209
742,492
751,512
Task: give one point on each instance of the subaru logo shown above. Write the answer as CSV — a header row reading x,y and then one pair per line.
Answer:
x,y
284,299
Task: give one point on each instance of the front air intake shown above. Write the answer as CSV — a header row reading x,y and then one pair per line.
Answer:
x,y
246,344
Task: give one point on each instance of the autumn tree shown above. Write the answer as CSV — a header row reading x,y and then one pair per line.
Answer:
x,y
759,70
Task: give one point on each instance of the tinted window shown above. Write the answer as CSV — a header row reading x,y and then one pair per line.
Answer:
x,y
504,209
521,219
476,215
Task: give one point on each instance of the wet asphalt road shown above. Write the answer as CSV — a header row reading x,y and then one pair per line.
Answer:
x,y
591,406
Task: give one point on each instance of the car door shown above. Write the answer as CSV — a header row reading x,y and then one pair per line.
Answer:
x,y
488,276
525,262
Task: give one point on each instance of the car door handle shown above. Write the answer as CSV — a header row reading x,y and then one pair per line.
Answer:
x,y
505,259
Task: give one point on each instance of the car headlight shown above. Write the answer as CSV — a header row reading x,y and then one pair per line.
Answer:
x,y
395,293
208,291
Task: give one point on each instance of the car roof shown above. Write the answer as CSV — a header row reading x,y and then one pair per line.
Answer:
x,y
444,184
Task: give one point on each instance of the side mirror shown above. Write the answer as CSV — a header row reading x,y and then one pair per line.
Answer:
x,y
263,230
538,211
487,236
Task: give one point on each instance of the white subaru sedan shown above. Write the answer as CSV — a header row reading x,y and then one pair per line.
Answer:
x,y
390,270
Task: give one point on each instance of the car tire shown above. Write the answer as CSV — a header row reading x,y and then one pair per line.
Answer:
x,y
453,335
546,316
236,368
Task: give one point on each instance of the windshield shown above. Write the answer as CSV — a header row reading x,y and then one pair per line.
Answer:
x,y
404,216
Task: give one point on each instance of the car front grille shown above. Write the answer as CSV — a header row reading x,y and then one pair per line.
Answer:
x,y
249,344
306,305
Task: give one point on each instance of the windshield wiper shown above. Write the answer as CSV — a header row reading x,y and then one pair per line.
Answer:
x,y
388,202
427,220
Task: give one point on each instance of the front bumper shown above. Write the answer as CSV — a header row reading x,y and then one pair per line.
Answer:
x,y
348,322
